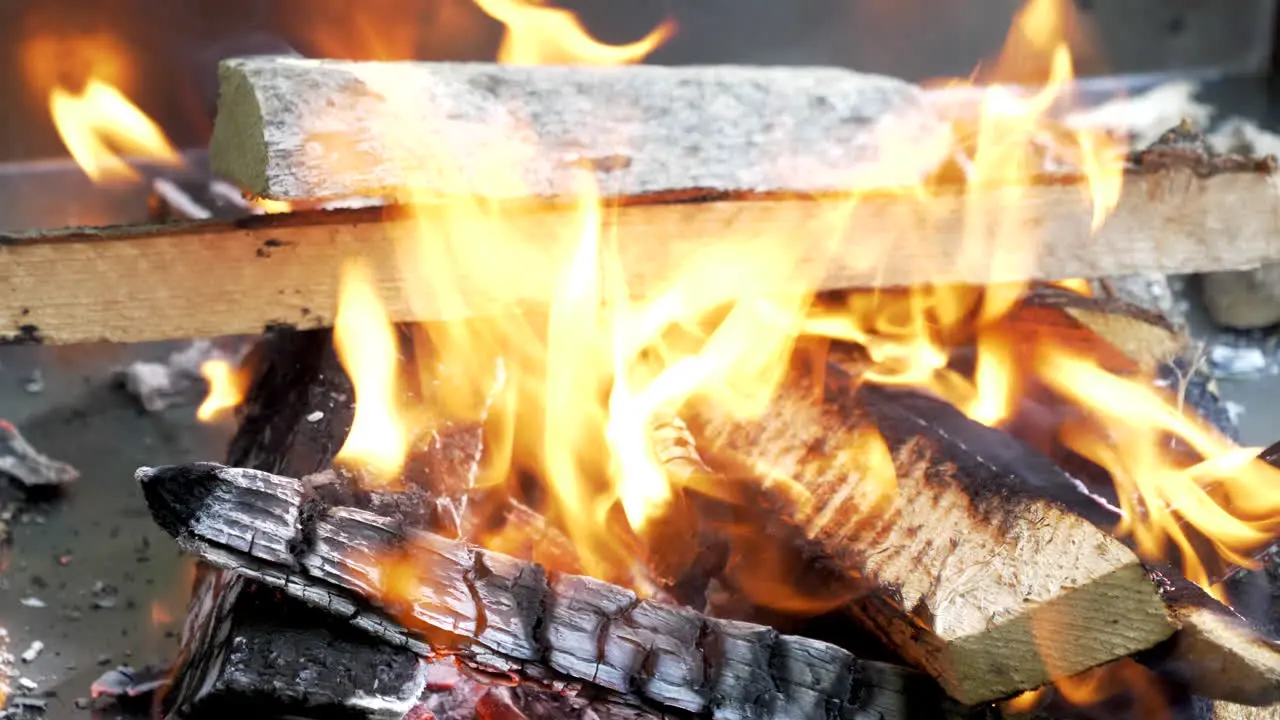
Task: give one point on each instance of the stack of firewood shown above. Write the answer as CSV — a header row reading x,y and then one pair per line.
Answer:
x,y
996,568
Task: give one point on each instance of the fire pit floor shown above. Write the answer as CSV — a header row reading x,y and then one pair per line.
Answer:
x,y
112,586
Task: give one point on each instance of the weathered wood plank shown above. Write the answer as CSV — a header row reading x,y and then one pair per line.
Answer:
x,y
297,129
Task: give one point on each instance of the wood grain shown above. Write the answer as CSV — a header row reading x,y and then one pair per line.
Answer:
x,y
978,574
203,278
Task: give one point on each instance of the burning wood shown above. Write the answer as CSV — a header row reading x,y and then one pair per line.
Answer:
x,y
988,583
222,277
501,615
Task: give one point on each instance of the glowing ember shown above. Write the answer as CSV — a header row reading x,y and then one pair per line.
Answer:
x,y
97,122
268,206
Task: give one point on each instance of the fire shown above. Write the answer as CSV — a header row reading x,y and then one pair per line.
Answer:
x,y
98,121
584,381
366,345
537,34
226,389
1225,494
267,206
587,380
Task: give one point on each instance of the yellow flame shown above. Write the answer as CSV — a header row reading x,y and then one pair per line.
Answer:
x,y
1228,496
99,121
540,35
366,344
586,377
226,390
271,207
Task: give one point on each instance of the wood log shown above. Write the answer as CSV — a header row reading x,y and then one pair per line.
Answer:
x,y
1242,658
301,129
502,615
248,649
986,581
251,650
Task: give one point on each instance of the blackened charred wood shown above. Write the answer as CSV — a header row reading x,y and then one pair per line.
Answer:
x,y
250,649
503,615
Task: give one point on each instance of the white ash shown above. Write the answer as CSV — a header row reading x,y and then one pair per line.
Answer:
x,y
177,380
34,383
1226,361
32,652
1144,117
1235,411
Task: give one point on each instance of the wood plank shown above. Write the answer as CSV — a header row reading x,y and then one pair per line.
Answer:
x,y
216,277
296,129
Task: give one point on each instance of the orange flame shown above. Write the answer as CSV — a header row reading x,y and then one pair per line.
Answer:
x,y
1227,497
99,120
226,390
366,345
267,206
540,35
588,380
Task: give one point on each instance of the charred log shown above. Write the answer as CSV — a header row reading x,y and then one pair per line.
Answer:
x,y
501,615
249,650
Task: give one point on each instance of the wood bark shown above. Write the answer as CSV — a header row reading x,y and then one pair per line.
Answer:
x,y
502,615
303,129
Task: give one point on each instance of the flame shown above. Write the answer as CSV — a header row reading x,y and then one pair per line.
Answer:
x,y
1121,678
366,344
1023,703
586,379
267,206
907,334
537,34
99,120
1079,286
226,389
1226,496
160,614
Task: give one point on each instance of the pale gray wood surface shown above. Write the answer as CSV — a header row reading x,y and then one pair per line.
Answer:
x,y
291,128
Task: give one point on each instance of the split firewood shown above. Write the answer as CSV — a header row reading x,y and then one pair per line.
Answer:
x,y
248,649
968,496
985,582
501,615
298,375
